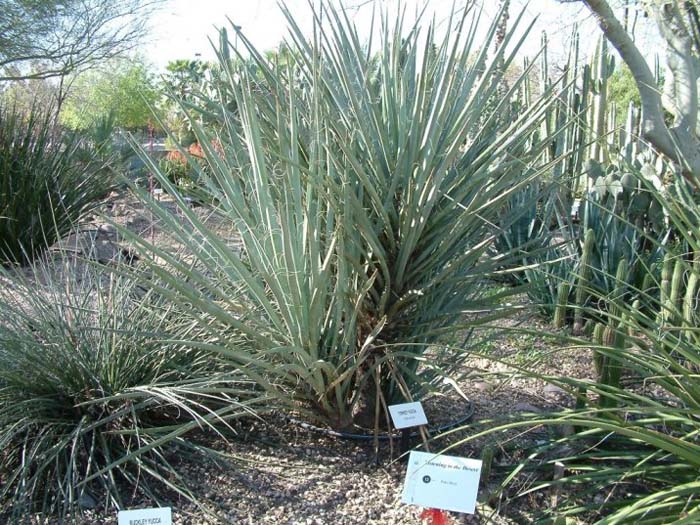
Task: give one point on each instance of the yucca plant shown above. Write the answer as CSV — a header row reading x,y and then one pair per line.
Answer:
x,y
92,401
364,183
46,183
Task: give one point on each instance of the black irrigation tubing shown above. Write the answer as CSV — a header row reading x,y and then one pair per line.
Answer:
x,y
385,436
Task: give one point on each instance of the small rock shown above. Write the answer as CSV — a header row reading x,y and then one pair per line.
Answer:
x,y
550,389
120,210
104,252
482,386
86,501
527,407
107,230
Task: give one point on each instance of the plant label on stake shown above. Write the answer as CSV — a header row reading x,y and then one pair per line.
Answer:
x,y
408,415
159,516
441,482
405,416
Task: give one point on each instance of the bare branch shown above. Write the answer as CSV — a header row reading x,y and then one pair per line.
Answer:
x,y
68,35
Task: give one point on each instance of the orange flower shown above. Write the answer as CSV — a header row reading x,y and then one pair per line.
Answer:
x,y
176,156
196,150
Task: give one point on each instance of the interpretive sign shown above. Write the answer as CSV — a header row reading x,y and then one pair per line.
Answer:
x,y
442,482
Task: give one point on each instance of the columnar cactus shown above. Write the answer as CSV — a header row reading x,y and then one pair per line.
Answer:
x,y
691,291
590,156
582,291
665,287
562,304
603,67
671,306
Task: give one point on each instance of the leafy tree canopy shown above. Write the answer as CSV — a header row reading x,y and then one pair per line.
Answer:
x,y
623,90
127,89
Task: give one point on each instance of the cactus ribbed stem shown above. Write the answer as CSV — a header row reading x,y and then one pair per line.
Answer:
x,y
636,306
665,290
671,307
562,304
600,104
648,280
691,292
582,282
619,291
611,374
598,357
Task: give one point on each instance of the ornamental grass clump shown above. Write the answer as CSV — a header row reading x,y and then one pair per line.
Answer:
x,y
47,183
364,182
92,401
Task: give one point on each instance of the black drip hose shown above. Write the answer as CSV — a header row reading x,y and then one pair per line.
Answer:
x,y
385,436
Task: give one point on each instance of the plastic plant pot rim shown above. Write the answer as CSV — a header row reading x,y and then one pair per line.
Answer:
x,y
466,416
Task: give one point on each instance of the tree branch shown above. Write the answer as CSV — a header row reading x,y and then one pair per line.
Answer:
x,y
680,143
67,35
654,127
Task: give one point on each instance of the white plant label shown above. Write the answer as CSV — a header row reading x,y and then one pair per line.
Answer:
x,y
442,482
160,516
408,415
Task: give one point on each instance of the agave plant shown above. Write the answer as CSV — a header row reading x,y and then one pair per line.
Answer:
x,y
46,183
540,243
364,183
92,400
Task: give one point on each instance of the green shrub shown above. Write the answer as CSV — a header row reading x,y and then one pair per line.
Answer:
x,y
125,89
364,191
46,184
174,167
92,397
